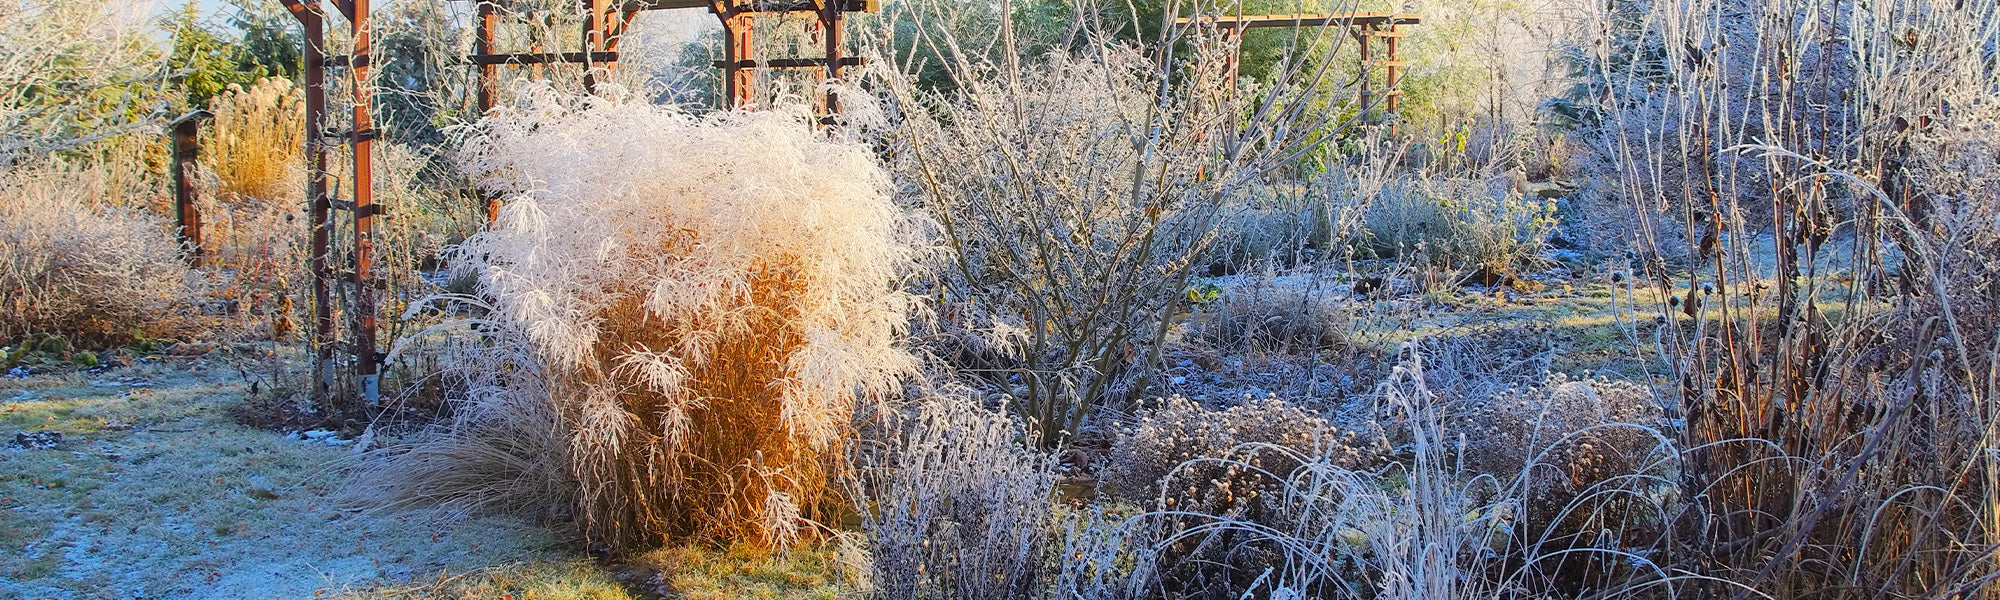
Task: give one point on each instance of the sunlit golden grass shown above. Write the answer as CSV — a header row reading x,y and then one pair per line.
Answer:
x,y
727,457
256,143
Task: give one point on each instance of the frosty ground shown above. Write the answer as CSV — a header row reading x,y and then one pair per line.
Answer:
x,y
157,490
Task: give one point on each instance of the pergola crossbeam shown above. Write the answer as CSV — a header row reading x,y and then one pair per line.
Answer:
x,y
1305,20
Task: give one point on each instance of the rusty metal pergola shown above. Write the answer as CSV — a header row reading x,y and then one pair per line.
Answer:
x,y
1363,26
605,24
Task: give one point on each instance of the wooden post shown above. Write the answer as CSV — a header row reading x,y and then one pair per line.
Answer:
x,y
830,28
186,136
363,141
740,81
1395,73
1367,74
489,74
595,23
489,85
312,20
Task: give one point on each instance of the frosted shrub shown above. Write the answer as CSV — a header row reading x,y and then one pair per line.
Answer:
x,y
1460,225
688,309
960,508
73,262
1047,205
1183,459
1177,430
1426,525
1078,191
1558,428
1263,316
1590,459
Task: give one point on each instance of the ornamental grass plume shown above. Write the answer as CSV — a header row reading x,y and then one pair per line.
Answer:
x,y
685,309
256,146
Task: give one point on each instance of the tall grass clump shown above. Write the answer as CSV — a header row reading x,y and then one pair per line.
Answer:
x,y
75,261
684,311
255,145
255,214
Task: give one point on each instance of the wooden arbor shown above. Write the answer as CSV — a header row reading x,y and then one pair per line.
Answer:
x,y
312,18
1365,27
605,23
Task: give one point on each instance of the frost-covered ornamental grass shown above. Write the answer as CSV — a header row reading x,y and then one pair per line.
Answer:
x,y
686,309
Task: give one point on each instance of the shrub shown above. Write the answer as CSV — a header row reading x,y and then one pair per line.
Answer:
x,y
1332,519
1081,247
1461,225
75,262
1557,428
686,311
1182,459
1265,316
1177,430
1077,191
958,507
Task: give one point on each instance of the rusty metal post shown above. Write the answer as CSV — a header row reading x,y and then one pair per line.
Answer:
x,y
1367,73
186,136
363,140
739,80
489,74
312,22
836,45
594,26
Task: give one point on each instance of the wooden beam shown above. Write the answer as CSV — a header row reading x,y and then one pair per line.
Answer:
x,y
868,6
363,180
302,11
1304,20
536,58
787,63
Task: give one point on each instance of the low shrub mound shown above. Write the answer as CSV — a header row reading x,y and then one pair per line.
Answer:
x,y
1263,316
684,312
1195,466
76,265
